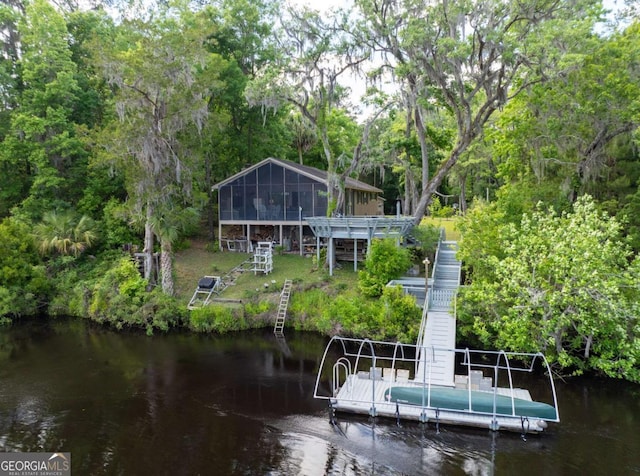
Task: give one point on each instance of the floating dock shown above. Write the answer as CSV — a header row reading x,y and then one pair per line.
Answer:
x,y
379,379
432,381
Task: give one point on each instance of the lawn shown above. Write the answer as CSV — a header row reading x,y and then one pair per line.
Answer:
x,y
449,225
196,261
193,263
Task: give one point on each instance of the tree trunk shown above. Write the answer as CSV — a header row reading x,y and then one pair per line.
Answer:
x,y
335,195
438,177
149,275
424,152
587,347
355,161
166,266
462,206
210,206
409,204
408,185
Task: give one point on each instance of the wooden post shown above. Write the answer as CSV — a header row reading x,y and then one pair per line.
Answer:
x,y
426,274
300,220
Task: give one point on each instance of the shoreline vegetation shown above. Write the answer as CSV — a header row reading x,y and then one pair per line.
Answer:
x,y
108,289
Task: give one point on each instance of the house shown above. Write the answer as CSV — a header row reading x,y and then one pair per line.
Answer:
x,y
271,200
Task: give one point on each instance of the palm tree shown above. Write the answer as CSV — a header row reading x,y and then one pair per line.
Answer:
x,y
167,228
65,234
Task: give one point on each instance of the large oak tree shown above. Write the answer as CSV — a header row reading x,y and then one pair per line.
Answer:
x,y
472,56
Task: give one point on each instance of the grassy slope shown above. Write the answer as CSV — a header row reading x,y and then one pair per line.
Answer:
x,y
449,225
195,262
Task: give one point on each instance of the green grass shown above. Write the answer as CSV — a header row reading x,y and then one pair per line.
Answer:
x,y
196,261
449,225
193,263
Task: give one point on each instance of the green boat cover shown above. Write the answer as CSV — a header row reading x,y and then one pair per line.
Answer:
x,y
458,399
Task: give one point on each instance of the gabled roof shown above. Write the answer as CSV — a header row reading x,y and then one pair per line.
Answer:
x,y
311,172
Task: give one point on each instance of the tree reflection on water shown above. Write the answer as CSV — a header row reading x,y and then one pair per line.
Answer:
x,y
125,403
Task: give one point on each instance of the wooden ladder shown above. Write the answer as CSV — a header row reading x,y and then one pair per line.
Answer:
x,y
282,308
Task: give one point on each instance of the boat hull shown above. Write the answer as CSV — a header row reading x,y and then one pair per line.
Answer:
x,y
470,400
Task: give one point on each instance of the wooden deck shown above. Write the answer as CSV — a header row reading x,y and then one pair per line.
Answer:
x,y
437,365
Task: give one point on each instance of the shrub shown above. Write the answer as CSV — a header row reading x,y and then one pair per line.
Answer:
x,y
401,317
255,308
395,316
427,237
385,262
357,316
117,231
306,309
216,319
23,283
436,209
120,298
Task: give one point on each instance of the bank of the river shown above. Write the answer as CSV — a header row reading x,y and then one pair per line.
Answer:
x,y
319,302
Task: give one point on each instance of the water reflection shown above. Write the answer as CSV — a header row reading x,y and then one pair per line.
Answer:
x,y
243,404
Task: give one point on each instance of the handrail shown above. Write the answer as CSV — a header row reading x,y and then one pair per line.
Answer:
x,y
508,367
441,238
324,358
423,323
551,383
394,353
336,373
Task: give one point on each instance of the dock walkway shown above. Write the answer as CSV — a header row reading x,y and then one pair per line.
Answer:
x,y
438,327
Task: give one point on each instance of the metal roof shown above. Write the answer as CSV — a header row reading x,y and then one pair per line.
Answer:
x,y
306,170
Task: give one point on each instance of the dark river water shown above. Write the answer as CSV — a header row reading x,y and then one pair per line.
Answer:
x,y
181,404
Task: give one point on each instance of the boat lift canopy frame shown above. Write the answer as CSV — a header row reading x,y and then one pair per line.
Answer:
x,y
350,363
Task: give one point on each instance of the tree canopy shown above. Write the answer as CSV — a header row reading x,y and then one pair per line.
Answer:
x,y
115,122
560,283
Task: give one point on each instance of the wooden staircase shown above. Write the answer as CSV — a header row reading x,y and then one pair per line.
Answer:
x,y
278,328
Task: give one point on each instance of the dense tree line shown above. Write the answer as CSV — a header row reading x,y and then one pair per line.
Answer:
x,y
116,120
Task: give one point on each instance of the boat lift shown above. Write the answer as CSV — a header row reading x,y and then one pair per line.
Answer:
x,y
395,380
207,285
